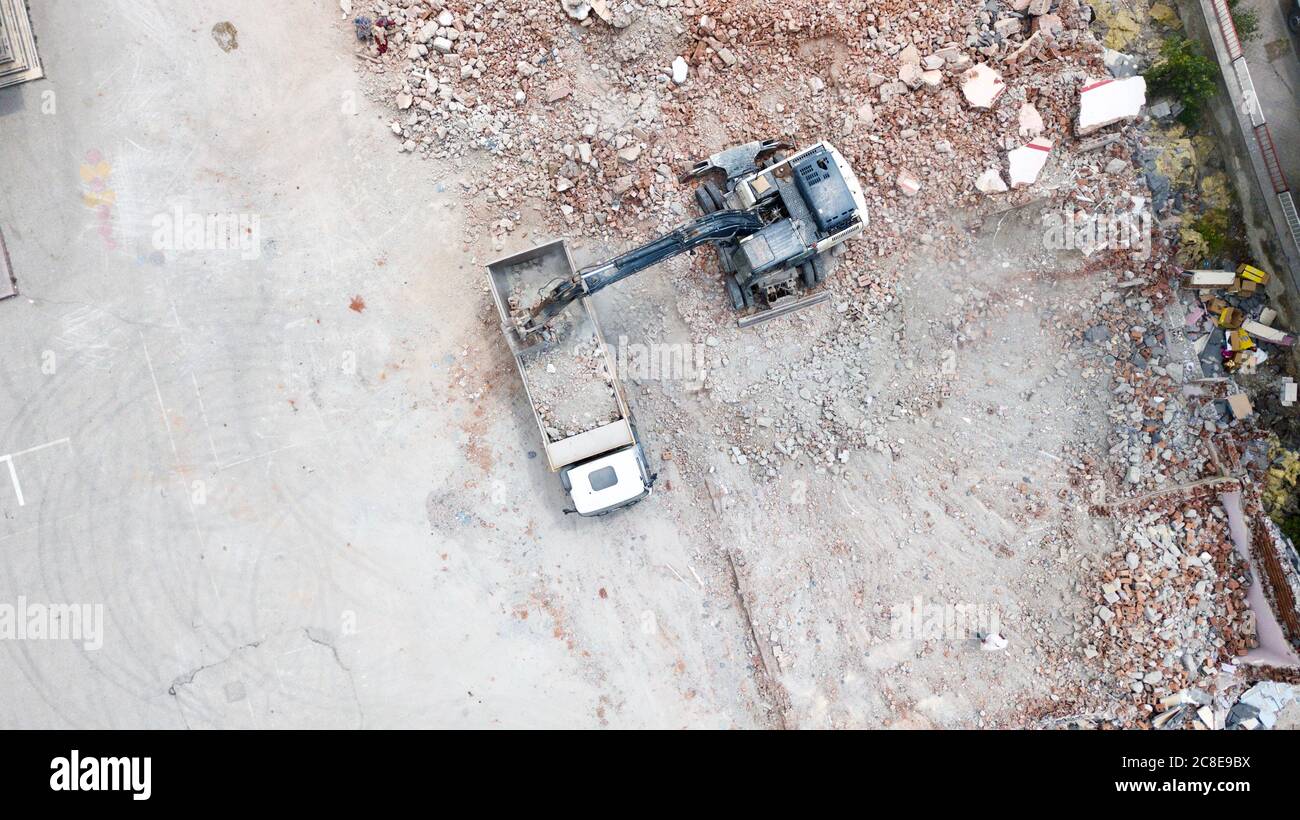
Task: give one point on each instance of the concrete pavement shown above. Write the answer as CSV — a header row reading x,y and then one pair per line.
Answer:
x,y
1274,60
277,458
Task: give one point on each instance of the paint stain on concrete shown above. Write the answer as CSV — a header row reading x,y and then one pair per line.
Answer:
x,y
226,35
358,304
1277,49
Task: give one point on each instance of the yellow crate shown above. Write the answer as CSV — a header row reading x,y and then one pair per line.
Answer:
x,y
1240,340
1253,273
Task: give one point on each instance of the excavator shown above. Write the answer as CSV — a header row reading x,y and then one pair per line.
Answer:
x,y
777,219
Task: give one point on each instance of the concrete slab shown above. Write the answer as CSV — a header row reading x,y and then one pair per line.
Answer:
x,y
1106,102
19,60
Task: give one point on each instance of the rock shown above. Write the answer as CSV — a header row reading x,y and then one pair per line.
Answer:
x,y
728,58
866,114
990,182
427,32
1116,166
981,86
908,183
442,45
1118,63
446,18
680,70
525,69
931,80
404,101
1049,24
563,184
630,154
910,56
1098,335
1031,122
1027,161
1008,26
577,9
557,91
888,91
910,75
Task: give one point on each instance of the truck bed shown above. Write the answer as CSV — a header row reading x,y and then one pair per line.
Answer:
x,y
567,372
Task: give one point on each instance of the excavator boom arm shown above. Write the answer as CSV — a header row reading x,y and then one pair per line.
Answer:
x,y
714,227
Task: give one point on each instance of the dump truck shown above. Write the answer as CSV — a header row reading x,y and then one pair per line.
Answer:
x,y
777,220
589,435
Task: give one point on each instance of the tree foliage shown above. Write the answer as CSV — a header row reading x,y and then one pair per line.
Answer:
x,y
1185,74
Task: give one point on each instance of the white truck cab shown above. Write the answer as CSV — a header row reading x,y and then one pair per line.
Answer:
x,y
607,482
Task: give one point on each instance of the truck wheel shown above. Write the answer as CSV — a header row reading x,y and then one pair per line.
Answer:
x,y
704,200
715,193
733,291
808,273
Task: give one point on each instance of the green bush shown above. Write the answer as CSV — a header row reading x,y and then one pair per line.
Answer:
x,y
1187,75
1223,233
1291,528
1213,227
1246,21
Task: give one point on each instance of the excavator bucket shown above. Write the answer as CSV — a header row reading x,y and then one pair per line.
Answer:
x,y
735,162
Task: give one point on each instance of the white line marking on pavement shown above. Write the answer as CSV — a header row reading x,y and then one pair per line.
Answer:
x,y
13,476
8,459
158,392
270,453
39,447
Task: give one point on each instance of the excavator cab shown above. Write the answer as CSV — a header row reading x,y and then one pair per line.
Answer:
x,y
810,203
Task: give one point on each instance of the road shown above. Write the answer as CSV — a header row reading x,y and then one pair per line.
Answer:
x,y
1274,60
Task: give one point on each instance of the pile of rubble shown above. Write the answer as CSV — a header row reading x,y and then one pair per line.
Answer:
x,y
1171,608
586,114
590,122
1160,435
570,386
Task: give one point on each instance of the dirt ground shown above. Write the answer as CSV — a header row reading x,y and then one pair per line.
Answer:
x,y
962,504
